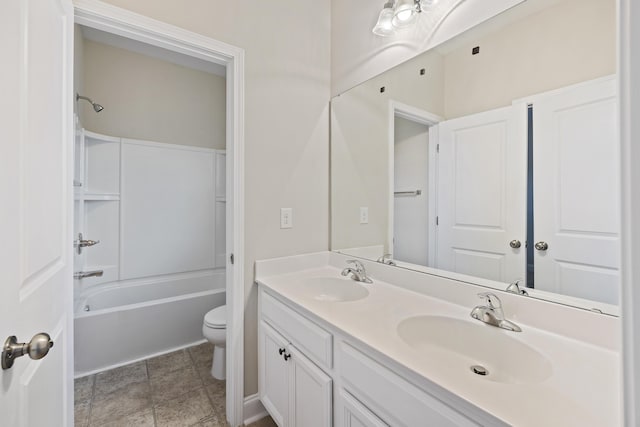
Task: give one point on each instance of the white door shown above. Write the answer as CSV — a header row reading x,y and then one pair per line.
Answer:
x,y
274,374
311,397
352,413
482,194
576,191
36,164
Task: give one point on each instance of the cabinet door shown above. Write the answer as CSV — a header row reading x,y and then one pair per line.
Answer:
x,y
274,374
311,392
352,413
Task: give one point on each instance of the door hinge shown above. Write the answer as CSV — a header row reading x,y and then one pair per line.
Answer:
x,y
437,148
231,259
437,221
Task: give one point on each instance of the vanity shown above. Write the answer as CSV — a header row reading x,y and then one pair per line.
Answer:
x,y
404,351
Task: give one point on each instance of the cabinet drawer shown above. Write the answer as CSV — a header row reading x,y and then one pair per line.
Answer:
x,y
399,403
315,342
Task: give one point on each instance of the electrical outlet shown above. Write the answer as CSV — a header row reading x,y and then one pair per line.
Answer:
x,y
286,218
364,215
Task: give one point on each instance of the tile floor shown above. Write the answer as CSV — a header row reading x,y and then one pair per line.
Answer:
x,y
173,390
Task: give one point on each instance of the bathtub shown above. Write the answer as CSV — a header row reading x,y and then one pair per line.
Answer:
x,y
123,322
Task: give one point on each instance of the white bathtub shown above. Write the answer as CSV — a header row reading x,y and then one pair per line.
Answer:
x,y
138,319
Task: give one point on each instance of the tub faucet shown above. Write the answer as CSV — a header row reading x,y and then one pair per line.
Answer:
x,y
491,313
357,272
386,259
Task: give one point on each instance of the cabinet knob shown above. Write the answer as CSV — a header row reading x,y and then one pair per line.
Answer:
x,y
287,356
282,350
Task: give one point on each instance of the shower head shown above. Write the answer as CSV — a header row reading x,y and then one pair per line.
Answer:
x,y
96,107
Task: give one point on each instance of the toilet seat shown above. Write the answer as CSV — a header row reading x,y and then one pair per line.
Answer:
x,y
216,318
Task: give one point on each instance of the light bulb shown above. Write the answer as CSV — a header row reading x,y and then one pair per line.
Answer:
x,y
384,26
404,14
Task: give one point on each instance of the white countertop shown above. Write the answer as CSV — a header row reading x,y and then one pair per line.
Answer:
x,y
583,389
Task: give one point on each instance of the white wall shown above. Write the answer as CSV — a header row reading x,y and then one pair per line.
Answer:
x,y
287,87
78,67
629,16
150,99
358,55
411,172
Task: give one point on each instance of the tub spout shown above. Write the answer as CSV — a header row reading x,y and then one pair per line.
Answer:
x,y
85,274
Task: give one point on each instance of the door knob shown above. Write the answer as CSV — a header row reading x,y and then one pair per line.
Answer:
x,y
515,244
37,348
541,246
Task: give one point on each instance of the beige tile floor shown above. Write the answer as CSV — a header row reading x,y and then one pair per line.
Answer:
x,y
173,390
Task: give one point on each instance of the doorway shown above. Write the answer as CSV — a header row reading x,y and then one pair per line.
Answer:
x,y
172,39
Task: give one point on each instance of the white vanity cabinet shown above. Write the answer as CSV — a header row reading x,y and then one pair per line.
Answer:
x,y
307,370
294,390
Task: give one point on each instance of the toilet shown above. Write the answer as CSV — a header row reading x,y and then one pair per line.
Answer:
x,y
214,330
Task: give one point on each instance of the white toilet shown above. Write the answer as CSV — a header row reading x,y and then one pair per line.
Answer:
x,y
214,330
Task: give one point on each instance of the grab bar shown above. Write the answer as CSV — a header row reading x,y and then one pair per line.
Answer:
x,y
407,193
85,274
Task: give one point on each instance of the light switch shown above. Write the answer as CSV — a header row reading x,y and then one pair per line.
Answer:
x,y
364,215
286,217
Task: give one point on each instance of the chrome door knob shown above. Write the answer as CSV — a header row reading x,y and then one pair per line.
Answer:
x,y
541,246
515,244
37,348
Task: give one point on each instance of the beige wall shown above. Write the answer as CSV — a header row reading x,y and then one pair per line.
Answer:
x,y
569,43
147,98
287,72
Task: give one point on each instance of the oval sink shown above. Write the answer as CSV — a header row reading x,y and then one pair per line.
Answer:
x,y
333,289
482,351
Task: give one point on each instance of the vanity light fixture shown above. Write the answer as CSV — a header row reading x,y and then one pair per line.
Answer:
x,y
384,26
400,14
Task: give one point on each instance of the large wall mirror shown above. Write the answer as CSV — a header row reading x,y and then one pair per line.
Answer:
x,y
492,158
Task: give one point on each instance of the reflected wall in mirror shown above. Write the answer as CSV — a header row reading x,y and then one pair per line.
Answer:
x,y
491,158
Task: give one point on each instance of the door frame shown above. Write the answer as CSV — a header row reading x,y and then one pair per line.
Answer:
x,y
417,115
112,19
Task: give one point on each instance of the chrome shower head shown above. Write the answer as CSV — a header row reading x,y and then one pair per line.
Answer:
x,y
96,107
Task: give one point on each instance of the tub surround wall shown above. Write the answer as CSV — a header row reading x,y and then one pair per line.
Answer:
x,y
571,340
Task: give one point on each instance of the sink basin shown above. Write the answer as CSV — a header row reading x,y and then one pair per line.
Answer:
x,y
479,350
334,289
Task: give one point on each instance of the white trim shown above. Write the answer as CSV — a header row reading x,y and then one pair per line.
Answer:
x,y
629,104
417,115
253,409
105,17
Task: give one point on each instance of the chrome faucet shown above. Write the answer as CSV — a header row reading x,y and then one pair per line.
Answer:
x,y
357,272
386,259
515,288
491,313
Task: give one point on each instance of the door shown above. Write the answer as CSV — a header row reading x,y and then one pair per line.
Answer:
x,y
352,413
576,191
482,195
311,397
35,220
274,374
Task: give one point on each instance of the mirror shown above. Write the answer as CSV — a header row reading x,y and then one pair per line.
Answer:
x,y
492,158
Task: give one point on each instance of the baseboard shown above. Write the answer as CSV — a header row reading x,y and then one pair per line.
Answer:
x,y
253,409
